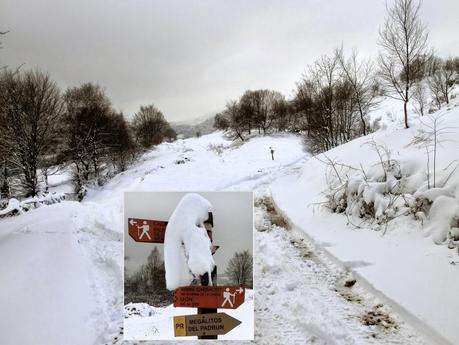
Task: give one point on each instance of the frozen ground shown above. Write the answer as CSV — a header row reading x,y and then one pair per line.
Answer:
x,y
63,271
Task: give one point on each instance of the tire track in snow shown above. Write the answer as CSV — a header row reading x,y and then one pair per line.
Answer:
x,y
301,299
333,314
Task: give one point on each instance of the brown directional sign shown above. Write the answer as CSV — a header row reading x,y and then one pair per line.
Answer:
x,y
204,324
146,230
225,296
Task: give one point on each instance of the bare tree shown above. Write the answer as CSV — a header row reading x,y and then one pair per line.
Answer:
x,y
360,76
94,135
148,283
4,187
30,106
435,83
324,75
443,81
122,148
420,96
239,269
149,126
404,39
238,120
261,106
221,122
85,130
327,99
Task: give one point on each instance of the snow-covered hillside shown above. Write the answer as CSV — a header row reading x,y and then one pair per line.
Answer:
x,y
398,259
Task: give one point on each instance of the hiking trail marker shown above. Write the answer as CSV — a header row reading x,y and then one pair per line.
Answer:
x,y
146,230
207,324
195,296
204,324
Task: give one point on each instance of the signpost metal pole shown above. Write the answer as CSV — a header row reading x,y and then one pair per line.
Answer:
x,y
209,224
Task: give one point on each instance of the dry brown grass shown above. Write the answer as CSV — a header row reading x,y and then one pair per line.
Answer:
x,y
272,214
378,317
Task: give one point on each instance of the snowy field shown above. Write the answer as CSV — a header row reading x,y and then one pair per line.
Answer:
x,y
62,265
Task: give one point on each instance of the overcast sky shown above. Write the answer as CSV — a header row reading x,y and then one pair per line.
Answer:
x,y
190,57
233,223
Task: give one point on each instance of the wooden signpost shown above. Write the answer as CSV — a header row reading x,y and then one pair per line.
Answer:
x,y
224,296
146,230
207,324
204,324
205,279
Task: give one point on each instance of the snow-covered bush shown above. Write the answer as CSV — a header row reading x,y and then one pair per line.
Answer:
x,y
138,309
15,207
218,149
393,188
379,194
187,247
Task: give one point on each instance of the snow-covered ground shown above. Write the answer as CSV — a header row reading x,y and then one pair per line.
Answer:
x,y
301,297
61,272
401,263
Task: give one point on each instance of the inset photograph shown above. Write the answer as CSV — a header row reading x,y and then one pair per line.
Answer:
x,y
188,270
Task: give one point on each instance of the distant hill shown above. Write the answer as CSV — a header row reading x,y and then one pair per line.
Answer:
x,y
191,128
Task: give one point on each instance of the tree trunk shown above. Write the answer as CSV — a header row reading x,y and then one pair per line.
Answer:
x,y
405,110
45,173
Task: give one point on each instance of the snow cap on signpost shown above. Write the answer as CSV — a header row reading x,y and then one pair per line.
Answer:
x,y
187,247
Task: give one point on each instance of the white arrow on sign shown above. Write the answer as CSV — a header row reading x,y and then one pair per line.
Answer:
x,y
241,290
132,222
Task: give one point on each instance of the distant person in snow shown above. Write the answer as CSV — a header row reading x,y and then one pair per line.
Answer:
x,y
272,152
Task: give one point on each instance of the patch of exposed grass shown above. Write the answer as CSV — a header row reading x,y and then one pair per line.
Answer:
x,y
378,317
351,297
305,250
273,216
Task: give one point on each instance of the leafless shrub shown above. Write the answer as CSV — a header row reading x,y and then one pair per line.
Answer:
x,y
431,136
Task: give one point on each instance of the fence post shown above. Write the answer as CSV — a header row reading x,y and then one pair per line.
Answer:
x,y
209,224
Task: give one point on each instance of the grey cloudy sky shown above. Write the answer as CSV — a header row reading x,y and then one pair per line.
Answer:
x,y
190,57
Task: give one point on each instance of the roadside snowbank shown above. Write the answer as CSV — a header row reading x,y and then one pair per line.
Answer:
x,y
402,262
